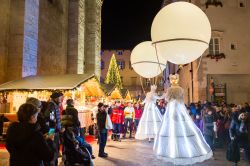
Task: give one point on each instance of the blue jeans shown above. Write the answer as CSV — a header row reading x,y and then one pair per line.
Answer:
x,y
136,123
128,121
102,141
117,129
83,143
210,141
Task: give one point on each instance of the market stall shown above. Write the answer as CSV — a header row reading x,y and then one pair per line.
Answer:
x,y
80,87
126,94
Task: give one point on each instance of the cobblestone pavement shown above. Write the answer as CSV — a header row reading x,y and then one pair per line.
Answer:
x,y
136,153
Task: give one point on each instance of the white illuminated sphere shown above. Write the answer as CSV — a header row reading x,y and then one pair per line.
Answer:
x,y
144,60
181,32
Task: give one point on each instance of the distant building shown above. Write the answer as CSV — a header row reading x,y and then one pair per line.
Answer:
x,y
130,79
224,71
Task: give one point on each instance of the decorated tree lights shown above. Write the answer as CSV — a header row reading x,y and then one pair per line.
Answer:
x,y
113,75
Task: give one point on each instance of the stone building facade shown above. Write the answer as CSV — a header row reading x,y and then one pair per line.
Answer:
x,y
45,37
130,79
226,62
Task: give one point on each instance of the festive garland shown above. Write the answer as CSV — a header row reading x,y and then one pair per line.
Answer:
x,y
217,57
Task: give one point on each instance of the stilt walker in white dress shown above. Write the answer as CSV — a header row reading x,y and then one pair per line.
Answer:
x,y
151,119
179,140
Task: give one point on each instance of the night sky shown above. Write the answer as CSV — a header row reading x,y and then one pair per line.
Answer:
x,y
126,23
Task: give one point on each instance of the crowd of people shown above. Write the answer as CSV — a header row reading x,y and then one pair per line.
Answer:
x,y
43,123
36,139
220,124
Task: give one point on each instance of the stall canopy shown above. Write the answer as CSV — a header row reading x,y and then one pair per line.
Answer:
x,y
76,86
125,94
51,82
112,91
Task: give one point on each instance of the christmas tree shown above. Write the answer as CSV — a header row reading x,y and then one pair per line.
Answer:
x,y
113,75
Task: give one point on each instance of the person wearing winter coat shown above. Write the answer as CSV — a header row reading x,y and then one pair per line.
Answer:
x,y
70,118
25,143
209,127
41,120
239,131
102,131
117,119
138,114
53,117
198,122
71,111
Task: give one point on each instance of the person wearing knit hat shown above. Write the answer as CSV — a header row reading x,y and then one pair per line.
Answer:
x,y
41,120
56,94
52,114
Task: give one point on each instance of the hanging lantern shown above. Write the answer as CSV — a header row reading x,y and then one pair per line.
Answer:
x,y
145,61
181,32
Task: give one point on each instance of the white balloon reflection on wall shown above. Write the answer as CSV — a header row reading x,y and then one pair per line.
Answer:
x,y
181,32
145,61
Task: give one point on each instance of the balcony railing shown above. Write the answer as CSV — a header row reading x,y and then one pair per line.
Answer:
x,y
217,57
213,3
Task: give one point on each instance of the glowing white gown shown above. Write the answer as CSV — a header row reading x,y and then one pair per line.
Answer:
x,y
179,140
151,119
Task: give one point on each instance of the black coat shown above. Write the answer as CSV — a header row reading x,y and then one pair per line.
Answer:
x,y
70,110
41,122
27,145
101,120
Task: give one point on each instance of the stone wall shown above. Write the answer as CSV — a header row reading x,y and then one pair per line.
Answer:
x,y
4,26
29,66
15,44
52,37
76,32
49,37
230,24
93,36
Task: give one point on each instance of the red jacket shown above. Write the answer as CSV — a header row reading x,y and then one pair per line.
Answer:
x,y
117,115
138,113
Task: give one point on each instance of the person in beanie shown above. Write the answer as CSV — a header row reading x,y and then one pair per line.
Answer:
x,y
52,114
117,119
41,121
102,131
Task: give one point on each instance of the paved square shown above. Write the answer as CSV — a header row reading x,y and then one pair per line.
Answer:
x,y
136,153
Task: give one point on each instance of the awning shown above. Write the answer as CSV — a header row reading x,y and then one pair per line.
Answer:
x,y
51,82
108,88
125,94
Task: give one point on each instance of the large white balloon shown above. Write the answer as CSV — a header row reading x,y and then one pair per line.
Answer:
x,y
181,32
145,61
